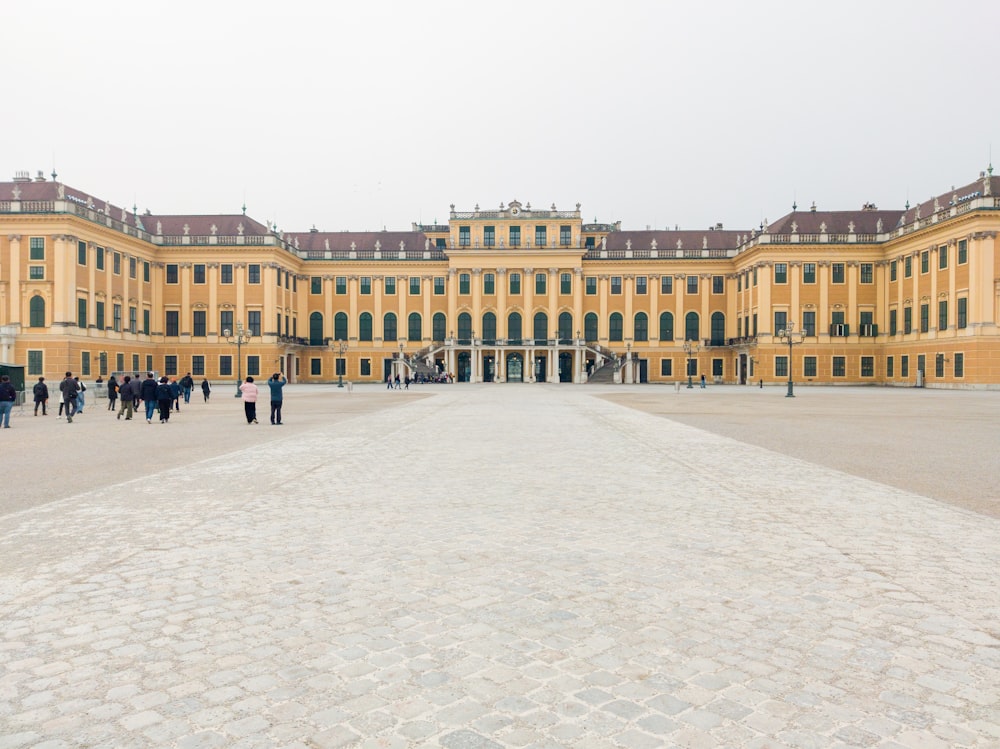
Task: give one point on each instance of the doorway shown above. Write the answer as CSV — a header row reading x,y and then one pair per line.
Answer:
x,y
515,368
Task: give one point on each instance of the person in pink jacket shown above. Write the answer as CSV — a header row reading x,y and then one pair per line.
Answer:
x,y
249,391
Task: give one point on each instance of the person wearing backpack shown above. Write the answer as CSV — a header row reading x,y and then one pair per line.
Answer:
x,y
41,393
8,396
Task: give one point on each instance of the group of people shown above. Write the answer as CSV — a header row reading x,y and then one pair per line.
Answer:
x,y
249,392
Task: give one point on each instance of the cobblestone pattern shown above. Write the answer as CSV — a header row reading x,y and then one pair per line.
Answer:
x,y
500,567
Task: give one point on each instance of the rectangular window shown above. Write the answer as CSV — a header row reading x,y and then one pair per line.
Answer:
x,y
340,285
172,321
226,322
718,285
837,272
315,285
809,323
892,270
867,366
253,273
133,321
514,234
170,365
149,362
540,239
489,283
666,284
173,276
464,236
85,363
892,322
904,366
514,285
340,366
226,273
839,366
755,276
942,315
666,367
81,253
540,284
198,365
36,248
253,322
640,285
366,285
464,283
907,320
133,268
925,318
616,285
116,263
36,272
717,367
199,273
692,284
959,365
564,236
808,366
226,365
942,257
199,322
81,313
116,314
939,365
867,273
780,273
35,363
963,251
566,283
781,366
963,313
315,367
99,259
925,261
414,285
390,285
590,282
253,366
489,236
780,321
890,367
907,266
145,321
145,271
438,285
99,315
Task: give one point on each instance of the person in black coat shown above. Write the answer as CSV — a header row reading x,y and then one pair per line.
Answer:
x,y
147,391
112,392
164,397
41,392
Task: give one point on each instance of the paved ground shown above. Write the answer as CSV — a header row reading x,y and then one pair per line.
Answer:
x,y
497,566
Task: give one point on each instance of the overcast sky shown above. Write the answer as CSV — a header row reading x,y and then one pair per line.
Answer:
x,y
364,115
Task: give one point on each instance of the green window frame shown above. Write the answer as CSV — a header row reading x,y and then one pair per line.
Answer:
x,y
942,315
81,313
925,318
464,283
893,269
692,284
867,273
837,273
666,367
808,366
315,285
438,285
464,236
565,236
925,261
962,313
867,366
489,236
666,284
340,285
99,315
36,248
35,362
808,272
365,285
904,366
780,273
959,364
908,266
99,258
225,273
942,257
389,284
781,366
414,285
489,283
514,283
566,283
172,271
514,236
540,283
36,272
81,253
890,367
253,273
963,251
840,366
590,285
540,234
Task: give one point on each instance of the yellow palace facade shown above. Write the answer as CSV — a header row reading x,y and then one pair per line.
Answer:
x,y
900,297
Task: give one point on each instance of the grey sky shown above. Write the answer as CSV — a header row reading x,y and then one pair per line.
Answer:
x,y
368,114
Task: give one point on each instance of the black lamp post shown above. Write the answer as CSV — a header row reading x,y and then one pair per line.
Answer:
x,y
238,339
789,335
690,348
341,350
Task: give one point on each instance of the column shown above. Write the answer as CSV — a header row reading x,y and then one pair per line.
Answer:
x,y
211,327
185,310
428,294
64,285
823,318
15,297
932,270
328,321
602,315
353,326
528,290
578,292
501,287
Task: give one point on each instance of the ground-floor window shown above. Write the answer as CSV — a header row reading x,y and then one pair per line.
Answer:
x,y
225,365
717,367
253,366
867,366
119,362
889,368
904,366
85,363
315,367
939,365
781,366
169,365
666,367
808,366
366,367
35,363
959,365
198,365
149,362
839,366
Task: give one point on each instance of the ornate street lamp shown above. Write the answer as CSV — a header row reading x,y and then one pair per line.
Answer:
x,y
340,364
691,348
791,336
241,336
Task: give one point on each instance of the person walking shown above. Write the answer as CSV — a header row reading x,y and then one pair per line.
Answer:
x,y
69,388
41,393
249,392
187,385
388,382
164,396
276,384
79,395
112,393
147,392
8,396
127,400
176,390
703,382
205,389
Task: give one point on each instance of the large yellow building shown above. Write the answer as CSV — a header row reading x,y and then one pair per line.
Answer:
x,y
513,293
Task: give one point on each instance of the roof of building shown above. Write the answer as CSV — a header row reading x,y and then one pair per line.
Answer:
x,y
389,241
676,239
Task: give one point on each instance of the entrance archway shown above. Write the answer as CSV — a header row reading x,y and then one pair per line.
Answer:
x,y
515,368
565,366
464,373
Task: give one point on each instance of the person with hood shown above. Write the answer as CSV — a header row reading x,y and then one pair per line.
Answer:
x,y
41,393
205,389
8,396
164,397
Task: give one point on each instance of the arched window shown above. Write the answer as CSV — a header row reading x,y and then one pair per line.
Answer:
x,y
365,326
414,328
590,327
340,326
615,327
541,326
36,312
718,329
316,337
439,323
464,326
667,326
514,326
641,331
489,326
565,325
691,326
389,332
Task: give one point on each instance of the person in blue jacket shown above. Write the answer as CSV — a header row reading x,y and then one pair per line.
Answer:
x,y
276,384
